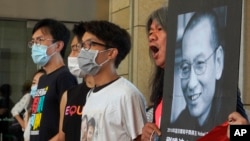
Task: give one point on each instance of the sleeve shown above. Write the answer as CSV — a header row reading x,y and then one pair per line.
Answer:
x,y
239,107
149,113
65,82
136,118
20,105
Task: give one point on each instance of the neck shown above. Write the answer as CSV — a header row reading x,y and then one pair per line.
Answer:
x,y
104,77
204,116
55,63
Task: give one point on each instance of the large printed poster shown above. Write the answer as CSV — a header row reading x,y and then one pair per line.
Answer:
x,y
201,74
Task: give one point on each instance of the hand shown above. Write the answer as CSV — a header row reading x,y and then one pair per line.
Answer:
x,y
235,119
148,130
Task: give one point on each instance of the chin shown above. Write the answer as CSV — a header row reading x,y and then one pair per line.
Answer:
x,y
161,65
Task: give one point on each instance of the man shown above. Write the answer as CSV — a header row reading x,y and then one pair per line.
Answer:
x,y
115,104
201,67
200,72
73,100
49,41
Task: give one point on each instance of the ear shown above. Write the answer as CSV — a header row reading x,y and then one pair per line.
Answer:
x,y
112,53
59,46
219,62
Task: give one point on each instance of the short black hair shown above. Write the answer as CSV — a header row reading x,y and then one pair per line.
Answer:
x,y
213,21
57,29
112,35
91,122
79,30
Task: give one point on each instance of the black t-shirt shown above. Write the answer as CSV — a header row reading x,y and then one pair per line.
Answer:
x,y
46,104
76,98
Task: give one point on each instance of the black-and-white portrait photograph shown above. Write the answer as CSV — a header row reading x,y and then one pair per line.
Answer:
x,y
200,99
199,66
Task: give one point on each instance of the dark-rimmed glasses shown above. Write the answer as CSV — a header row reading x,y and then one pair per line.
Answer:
x,y
89,43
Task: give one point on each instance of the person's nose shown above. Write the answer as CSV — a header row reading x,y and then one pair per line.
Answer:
x,y
193,81
153,37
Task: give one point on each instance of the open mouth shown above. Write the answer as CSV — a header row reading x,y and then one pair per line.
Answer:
x,y
194,96
154,49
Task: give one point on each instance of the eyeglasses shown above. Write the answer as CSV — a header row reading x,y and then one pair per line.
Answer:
x,y
198,65
38,41
88,44
76,47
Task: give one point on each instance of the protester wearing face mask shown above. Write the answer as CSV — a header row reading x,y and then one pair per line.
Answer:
x,y
73,100
27,113
115,105
157,37
49,41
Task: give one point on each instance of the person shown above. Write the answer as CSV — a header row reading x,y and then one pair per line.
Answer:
x,y
202,52
73,100
18,111
91,129
157,36
48,44
200,70
5,106
218,132
114,103
84,127
26,118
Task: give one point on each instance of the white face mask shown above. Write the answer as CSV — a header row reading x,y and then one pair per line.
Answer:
x,y
74,67
87,63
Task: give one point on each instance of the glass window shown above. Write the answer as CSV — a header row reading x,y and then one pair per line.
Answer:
x,y
16,64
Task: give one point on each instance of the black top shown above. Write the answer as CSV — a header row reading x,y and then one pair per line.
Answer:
x,y
239,108
46,104
76,98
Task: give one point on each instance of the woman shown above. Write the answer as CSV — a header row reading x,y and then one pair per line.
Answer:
x,y
157,36
27,114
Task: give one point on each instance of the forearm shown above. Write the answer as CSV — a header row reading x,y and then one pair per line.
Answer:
x,y
20,121
55,138
61,135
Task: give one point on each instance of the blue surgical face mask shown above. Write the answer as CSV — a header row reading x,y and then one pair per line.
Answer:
x,y
39,55
87,63
33,90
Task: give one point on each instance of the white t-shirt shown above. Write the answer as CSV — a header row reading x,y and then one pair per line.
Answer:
x,y
117,111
